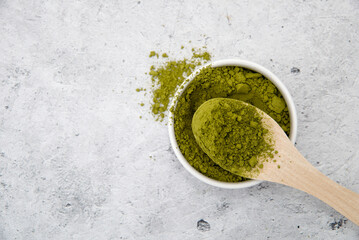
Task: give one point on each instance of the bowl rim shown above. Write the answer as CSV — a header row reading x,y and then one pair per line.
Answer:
x,y
221,63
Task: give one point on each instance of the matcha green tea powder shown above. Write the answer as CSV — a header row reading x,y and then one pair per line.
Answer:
x,y
221,82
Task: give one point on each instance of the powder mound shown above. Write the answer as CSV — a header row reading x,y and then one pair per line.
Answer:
x,y
232,134
223,82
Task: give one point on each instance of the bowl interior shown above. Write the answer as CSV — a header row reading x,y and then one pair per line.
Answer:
x,y
240,63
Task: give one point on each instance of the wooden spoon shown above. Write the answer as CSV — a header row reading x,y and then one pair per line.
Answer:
x,y
290,167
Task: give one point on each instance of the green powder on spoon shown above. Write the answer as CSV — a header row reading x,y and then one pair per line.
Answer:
x,y
231,133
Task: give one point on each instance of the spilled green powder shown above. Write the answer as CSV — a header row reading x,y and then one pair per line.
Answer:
x,y
205,56
232,134
223,82
153,53
168,77
140,89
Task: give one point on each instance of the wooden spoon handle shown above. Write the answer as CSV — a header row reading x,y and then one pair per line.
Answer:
x,y
295,171
292,169
320,186
340,198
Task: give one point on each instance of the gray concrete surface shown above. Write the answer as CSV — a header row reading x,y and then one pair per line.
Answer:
x,y
74,155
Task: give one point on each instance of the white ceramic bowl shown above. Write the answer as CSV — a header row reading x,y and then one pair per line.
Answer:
x,y
240,63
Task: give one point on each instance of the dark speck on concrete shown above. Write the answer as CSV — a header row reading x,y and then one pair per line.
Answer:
x,y
139,2
203,226
295,70
338,224
298,226
6,107
262,186
223,206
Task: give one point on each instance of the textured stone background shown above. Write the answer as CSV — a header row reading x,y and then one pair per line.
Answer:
x,y
74,155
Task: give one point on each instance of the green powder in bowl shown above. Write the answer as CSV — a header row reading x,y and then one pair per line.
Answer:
x,y
223,82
